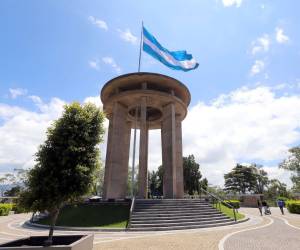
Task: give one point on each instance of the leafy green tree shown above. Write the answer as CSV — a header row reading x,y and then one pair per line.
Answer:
x,y
276,188
98,179
240,179
155,181
14,191
203,184
129,182
292,163
65,162
261,176
191,174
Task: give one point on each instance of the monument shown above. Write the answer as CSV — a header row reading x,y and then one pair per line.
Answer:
x,y
149,101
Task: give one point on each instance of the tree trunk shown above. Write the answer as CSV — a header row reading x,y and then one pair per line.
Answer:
x,y
54,216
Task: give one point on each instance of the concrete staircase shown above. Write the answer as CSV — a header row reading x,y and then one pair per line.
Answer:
x,y
169,214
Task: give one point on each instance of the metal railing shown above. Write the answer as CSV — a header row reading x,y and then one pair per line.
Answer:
x,y
130,211
217,201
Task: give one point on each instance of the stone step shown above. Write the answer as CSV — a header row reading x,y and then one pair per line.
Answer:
x,y
169,202
182,227
178,211
172,217
150,209
170,206
178,221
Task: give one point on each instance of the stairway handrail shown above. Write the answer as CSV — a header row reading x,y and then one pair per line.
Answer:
x,y
220,200
130,211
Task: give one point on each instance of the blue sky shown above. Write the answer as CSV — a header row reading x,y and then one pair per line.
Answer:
x,y
54,52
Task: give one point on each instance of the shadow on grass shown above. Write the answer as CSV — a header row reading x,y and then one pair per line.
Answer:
x,y
92,215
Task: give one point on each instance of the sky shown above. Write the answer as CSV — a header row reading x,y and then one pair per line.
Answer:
x,y
245,104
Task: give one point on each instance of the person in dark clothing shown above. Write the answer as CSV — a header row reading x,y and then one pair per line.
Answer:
x,y
266,207
259,205
281,205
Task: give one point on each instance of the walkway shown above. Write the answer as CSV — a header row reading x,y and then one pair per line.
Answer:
x,y
266,232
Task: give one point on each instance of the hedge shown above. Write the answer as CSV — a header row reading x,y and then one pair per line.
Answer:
x,y
5,208
17,209
234,203
293,206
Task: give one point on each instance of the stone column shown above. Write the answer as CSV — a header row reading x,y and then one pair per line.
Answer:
x,y
179,162
168,138
143,153
117,154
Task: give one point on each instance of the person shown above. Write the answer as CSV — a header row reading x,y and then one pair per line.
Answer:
x,y
266,207
259,205
281,205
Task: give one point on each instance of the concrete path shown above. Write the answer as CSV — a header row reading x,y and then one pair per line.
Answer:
x,y
258,233
277,234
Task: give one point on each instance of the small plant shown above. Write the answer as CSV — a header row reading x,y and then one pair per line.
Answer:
x,y
5,209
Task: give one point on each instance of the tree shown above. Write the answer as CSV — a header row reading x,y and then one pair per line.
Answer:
x,y
203,184
261,176
275,189
191,174
65,162
98,179
240,179
129,180
14,191
155,181
292,163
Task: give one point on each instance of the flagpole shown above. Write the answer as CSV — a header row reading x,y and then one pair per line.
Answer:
x,y
141,41
135,122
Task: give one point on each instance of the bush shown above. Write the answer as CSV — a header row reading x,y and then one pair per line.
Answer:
x,y
5,209
293,206
18,209
282,198
234,203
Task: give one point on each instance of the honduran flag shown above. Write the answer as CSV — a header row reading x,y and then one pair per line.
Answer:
x,y
178,60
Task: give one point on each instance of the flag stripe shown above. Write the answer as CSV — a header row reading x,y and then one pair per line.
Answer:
x,y
167,58
179,60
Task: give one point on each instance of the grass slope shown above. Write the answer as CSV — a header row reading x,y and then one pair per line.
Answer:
x,y
90,215
228,211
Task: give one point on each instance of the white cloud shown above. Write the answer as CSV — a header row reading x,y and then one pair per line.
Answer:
x,y
22,131
99,23
110,61
127,36
246,125
95,100
14,93
257,67
94,64
228,3
280,37
261,44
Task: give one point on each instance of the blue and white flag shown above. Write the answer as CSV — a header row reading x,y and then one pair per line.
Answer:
x,y
178,60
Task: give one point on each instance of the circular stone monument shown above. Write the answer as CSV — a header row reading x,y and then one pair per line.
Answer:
x,y
151,101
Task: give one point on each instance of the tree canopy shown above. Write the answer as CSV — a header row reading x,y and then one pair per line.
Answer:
x,y
66,161
292,163
191,175
243,179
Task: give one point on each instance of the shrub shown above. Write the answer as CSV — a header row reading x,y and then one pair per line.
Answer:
x,y
18,209
293,206
234,203
5,209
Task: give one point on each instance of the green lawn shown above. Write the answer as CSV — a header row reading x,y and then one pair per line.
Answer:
x,y
229,212
89,215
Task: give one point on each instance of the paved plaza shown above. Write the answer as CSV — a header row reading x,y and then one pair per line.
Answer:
x,y
260,232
